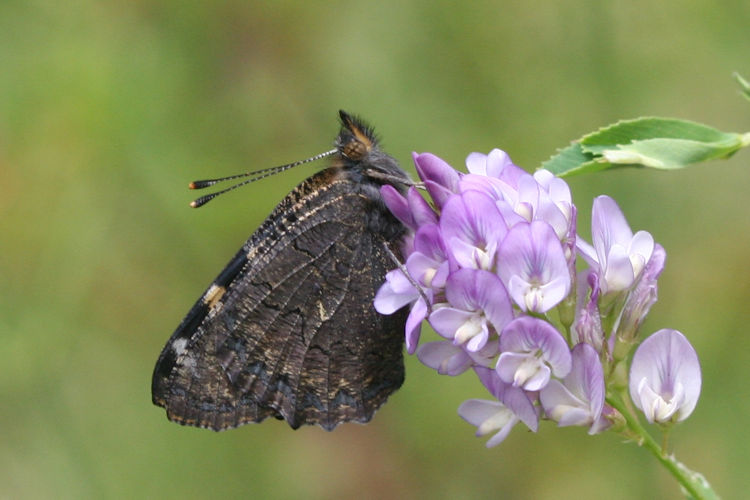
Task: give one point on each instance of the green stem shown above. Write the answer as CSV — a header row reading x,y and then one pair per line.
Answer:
x,y
693,482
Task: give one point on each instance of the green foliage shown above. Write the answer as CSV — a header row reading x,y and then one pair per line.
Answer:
x,y
662,143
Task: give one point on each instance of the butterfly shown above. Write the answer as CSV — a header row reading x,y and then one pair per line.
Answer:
x,y
288,329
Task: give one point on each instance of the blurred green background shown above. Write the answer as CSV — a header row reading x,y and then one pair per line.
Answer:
x,y
109,108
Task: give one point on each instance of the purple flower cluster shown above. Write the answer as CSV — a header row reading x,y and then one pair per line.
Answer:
x,y
489,259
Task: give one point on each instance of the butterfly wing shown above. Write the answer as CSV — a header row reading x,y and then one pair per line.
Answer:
x,y
288,328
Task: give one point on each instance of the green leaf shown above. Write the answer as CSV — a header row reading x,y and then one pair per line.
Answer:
x,y
572,160
664,143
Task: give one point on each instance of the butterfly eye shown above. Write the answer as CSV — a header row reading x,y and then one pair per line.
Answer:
x,y
354,150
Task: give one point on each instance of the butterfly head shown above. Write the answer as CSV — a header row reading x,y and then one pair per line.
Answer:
x,y
358,151
356,139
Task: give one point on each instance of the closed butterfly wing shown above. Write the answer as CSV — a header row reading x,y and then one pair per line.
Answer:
x,y
288,328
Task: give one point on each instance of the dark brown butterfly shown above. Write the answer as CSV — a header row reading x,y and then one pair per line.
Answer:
x,y
288,328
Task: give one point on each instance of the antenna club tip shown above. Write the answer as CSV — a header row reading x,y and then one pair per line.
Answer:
x,y
193,204
193,185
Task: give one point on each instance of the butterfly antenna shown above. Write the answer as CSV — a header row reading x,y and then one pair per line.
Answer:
x,y
255,175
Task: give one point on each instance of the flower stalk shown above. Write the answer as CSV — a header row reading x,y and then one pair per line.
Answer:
x,y
694,484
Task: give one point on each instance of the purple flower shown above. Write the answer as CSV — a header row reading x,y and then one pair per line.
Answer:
x,y
489,416
479,306
531,350
534,269
472,229
579,399
440,179
496,236
665,377
618,256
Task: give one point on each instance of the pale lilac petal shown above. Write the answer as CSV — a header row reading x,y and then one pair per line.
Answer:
x,y
478,214
608,225
397,204
509,215
605,420
618,273
575,416
441,275
642,244
492,298
518,400
527,334
440,179
552,215
503,433
462,291
446,321
564,407
413,324
537,381
587,326
640,249
444,357
558,189
620,255
500,165
422,268
421,210
555,203
523,371
488,416
431,167
531,349
588,253
395,293
579,398
429,241
528,197
472,228
586,378
551,293
474,341
534,268
468,255
481,183
514,398
497,164
478,411
412,210
486,355
477,290
665,377
476,163
655,265
642,297
438,193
